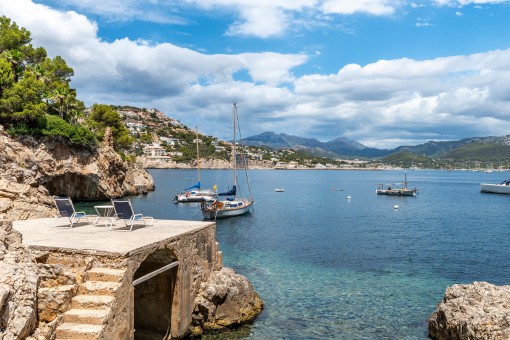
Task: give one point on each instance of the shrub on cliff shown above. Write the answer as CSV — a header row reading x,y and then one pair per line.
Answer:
x,y
76,134
103,116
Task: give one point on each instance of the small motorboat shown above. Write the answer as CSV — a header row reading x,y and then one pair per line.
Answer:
x,y
279,190
502,188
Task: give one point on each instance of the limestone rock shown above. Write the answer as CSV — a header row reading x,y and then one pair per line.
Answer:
x,y
56,288
226,300
204,164
18,287
31,170
136,180
472,311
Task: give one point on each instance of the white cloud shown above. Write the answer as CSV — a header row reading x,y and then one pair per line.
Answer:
x,y
259,21
258,18
373,7
467,2
383,104
420,98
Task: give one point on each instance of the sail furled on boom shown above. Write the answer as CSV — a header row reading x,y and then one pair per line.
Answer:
x,y
231,192
196,186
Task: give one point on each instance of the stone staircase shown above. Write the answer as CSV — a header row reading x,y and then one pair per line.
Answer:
x,y
92,305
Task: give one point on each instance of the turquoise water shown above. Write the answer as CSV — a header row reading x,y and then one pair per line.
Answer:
x,y
328,267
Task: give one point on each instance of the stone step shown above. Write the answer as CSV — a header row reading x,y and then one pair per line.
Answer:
x,y
73,331
92,301
86,316
105,274
59,288
98,288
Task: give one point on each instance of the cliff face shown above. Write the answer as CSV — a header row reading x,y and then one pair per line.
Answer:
x,y
30,171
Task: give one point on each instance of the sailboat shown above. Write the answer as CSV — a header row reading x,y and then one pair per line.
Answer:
x,y
195,193
399,189
233,205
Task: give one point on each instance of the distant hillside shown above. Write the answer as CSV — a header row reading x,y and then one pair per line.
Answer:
x,y
343,147
442,149
281,141
155,125
336,147
480,152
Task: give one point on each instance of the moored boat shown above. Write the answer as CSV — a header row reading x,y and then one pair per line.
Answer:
x,y
381,190
502,188
234,204
195,193
398,189
226,208
190,195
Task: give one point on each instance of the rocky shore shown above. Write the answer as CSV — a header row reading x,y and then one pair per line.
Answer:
x,y
472,311
227,300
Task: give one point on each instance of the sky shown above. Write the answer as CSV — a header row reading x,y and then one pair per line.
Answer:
x,y
382,72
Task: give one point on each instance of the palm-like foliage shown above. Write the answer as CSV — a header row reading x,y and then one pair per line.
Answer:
x,y
33,86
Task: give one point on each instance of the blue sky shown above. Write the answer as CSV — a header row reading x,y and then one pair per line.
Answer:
x,y
382,72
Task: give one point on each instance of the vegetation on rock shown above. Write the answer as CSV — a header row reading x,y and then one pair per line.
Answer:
x,y
35,93
103,116
36,97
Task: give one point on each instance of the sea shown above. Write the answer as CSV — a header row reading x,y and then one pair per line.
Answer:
x,y
333,260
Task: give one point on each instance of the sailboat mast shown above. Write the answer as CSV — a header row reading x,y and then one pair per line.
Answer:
x,y
235,147
198,156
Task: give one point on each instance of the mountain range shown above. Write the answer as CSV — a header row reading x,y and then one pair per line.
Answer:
x,y
343,147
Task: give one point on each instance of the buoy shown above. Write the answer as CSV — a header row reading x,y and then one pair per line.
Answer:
x,y
395,206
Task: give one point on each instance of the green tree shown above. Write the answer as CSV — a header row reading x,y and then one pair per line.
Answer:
x,y
102,116
22,103
12,37
31,84
6,76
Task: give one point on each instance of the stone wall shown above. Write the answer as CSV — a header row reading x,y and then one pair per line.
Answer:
x,y
199,257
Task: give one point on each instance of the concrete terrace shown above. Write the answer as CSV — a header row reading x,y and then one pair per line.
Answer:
x,y
98,239
115,284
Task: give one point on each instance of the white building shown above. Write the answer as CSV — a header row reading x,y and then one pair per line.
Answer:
x,y
154,150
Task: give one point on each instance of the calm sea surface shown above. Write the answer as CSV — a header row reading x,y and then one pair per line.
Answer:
x,y
329,267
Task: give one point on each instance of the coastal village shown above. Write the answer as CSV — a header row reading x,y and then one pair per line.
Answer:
x,y
160,139
163,142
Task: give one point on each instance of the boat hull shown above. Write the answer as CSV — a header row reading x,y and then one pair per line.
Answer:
x,y
495,188
396,192
194,198
211,213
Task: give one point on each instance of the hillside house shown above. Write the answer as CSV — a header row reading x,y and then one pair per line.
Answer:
x,y
155,153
